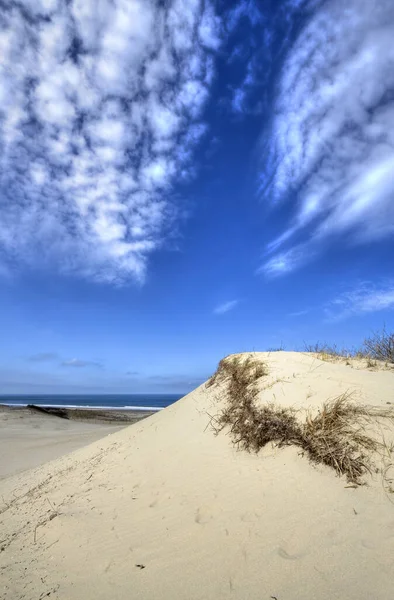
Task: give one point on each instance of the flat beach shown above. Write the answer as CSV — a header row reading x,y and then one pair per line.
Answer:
x,y
166,508
29,437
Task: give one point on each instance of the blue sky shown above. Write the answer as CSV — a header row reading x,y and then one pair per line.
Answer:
x,y
181,180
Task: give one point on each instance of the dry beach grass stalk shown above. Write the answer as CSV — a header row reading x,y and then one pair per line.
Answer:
x,y
378,347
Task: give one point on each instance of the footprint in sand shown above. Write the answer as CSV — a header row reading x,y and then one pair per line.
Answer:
x,y
368,544
202,516
284,554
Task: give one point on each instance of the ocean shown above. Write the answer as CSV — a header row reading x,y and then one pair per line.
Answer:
x,y
107,401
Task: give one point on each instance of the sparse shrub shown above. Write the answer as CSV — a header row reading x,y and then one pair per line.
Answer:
x,y
245,370
325,350
370,363
380,346
336,438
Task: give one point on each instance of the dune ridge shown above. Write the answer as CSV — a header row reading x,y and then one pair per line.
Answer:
x,y
167,509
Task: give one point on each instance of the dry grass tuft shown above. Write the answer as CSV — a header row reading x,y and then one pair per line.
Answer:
x,y
240,370
324,348
380,346
336,436
327,352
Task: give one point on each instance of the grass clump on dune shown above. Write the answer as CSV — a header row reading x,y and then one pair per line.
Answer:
x,y
240,371
325,349
379,346
336,436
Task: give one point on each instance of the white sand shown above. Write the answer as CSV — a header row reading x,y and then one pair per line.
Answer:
x,y
29,439
206,522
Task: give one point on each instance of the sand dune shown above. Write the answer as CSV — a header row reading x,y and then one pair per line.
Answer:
x,y
165,509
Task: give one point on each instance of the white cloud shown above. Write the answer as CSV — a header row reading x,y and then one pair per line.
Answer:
x,y
332,147
299,313
78,363
242,101
209,28
225,307
192,96
285,262
364,298
245,9
238,100
96,103
43,357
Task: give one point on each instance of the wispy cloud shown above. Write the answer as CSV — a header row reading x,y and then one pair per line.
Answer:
x,y
183,382
221,309
265,29
78,363
238,100
299,313
241,100
365,298
101,105
239,52
43,357
285,262
246,9
332,146
249,52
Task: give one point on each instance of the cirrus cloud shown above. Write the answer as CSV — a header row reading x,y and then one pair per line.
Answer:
x,y
42,357
366,297
81,364
98,104
332,145
221,309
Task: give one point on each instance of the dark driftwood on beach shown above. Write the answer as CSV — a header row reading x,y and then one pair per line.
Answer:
x,y
95,415
49,410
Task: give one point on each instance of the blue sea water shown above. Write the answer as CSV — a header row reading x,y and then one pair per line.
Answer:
x,y
108,401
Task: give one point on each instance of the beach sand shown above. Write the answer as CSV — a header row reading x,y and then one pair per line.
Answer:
x,y
29,438
165,509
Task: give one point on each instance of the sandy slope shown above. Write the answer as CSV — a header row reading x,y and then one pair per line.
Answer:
x,y
29,439
205,521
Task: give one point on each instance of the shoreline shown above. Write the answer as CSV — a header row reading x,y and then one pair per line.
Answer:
x,y
81,406
88,414
32,435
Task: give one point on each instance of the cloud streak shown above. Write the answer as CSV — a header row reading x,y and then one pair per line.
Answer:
x,y
224,308
81,364
365,298
299,313
246,9
42,357
241,101
100,107
332,145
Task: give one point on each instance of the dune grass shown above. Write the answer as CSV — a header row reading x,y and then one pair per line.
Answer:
x,y
337,436
378,347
